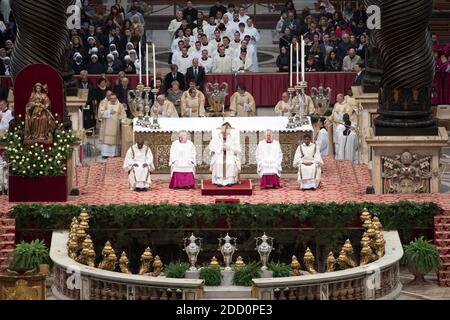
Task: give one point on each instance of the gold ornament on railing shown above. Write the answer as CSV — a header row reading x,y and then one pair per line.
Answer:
x,y
366,255
377,224
91,258
109,260
107,249
379,246
342,260
72,246
123,263
84,216
86,257
81,235
308,260
214,263
365,215
157,267
348,249
146,260
239,262
331,262
295,266
367,224
365,240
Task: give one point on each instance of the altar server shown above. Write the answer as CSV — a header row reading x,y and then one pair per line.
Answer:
x,y
323,139
221,63
163,108
242,103
182,163
268,159
138,164
225,148
348,144
308,161
112,114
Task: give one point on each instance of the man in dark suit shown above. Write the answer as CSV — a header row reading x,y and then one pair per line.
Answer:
x,y
196,73
122,94
174,75
84,82
357,82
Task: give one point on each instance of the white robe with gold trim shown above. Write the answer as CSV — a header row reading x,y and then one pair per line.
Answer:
x,y
308,175
139,176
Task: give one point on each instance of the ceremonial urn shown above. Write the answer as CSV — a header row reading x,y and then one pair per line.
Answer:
x,y
264,246
155,125
227,246
216,94
192,249
321,98
291,124
137,101
300,118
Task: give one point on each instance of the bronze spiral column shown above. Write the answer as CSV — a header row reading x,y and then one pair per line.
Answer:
x,y
42,35
406,51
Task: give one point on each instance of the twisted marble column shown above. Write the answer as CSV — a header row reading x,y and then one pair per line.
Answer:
x,y
42,35
406,51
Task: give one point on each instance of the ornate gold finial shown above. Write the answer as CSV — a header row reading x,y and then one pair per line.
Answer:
x,y
331,262
84,216
81,234
295,266
348,249
72,246
109,260
107,249
366,255
123,263
87,252
239,262
371,232
377,223
342,260
91,258
308,260
365,240
365,215
380,246
214,263
157,267
84,256
367,223
146,260
74,225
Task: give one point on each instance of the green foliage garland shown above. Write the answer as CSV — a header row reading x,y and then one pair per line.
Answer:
x,y
176,269
38,160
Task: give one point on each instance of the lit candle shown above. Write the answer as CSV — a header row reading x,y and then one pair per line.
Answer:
x,y
298,62
290,68
303,59
140,64
146,64
154,65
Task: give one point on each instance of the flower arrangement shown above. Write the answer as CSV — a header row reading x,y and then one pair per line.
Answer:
x,y
38,159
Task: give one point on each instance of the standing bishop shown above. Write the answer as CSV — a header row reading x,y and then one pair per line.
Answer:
x,y
112,114
308,161
225,148
268,159
182,163
138,164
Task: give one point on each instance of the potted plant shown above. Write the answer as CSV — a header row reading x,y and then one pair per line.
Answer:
x,y
243,276
280,270
211,275
33,256
176,270
421,257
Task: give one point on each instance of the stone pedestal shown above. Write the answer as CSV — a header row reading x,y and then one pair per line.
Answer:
x,y
227,278
409,157
192,274
266,274
369,103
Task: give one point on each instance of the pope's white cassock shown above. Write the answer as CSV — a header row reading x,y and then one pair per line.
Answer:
x,y
225,165
138,174
347,146
112,114
182,164
268,159
308,175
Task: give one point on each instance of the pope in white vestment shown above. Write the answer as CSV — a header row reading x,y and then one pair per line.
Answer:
x,y
112,114
268,159
182,163
138,164
225,148
308,161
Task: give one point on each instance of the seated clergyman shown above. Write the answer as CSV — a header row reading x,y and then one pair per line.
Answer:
x,y
308,161
138,164
268,159
182,163
164,108
225,148
192,102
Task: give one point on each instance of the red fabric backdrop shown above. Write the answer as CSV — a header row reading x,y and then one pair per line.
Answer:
x,y
31,75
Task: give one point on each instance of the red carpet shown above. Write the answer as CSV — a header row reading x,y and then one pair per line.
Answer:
x,y
243,189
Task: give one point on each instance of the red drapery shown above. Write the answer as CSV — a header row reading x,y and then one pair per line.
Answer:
x,y
268,87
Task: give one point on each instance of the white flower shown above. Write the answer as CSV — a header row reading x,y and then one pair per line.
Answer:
x,y
58,162
39,158
23,171
40,172
64,168
42,165
51,168
49,148
54,143
28,167
34,165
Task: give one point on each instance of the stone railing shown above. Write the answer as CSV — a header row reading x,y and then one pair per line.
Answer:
x,y
79,282
378,280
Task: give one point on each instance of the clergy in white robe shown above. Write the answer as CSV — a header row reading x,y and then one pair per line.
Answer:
x,y
225,149
243,63
348,144
182,163
138,164
242,103
205,61
323,139
192,103
308,161
251,31
163,108
268,159
282,107
112,115
341,107
221,63
5,116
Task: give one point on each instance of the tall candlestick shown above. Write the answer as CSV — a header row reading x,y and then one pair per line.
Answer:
x,y
303,59
146,64
298,62
290,67
154,65
140,64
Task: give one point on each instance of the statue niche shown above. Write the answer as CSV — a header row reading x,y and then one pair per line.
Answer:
x,y
39,120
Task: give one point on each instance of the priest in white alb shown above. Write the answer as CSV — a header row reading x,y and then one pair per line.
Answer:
x,y
309,162
138,164
225,149
268,160
182,163
112,115
242,103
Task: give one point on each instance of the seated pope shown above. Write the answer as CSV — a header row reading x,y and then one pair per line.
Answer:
x,y
225,149
182,163
309,162
163,108
242,103
268,159
138,164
